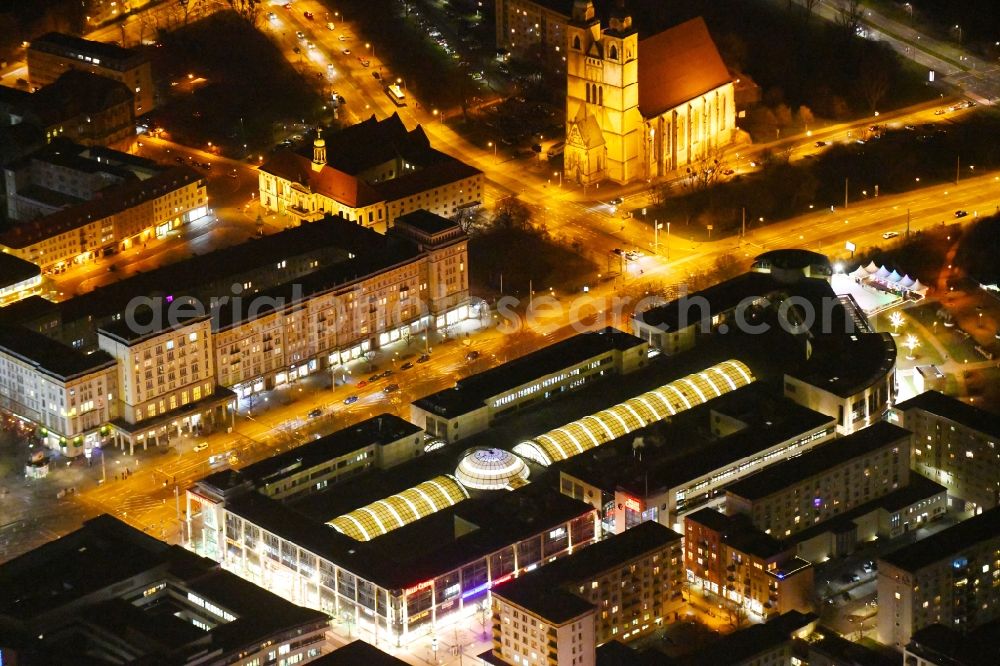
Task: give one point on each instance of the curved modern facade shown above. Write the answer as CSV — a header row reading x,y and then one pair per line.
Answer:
x,y
625,417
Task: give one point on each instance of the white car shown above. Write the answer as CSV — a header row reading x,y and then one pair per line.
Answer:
x,y
201,446
890,234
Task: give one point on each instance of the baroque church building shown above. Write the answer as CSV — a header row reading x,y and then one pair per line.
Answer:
x,y
639,109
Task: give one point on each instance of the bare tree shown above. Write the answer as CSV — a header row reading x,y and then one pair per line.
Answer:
x,y
849,17
809,6
874,82
248,10
187,6
704,173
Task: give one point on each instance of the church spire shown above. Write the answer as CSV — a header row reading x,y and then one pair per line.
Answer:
x,y
319,151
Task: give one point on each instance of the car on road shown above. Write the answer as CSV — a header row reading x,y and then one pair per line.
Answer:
x,y
406,366
378,77
386,373
201,446
363,383
728,172
310,45
423,358
296,50
308,15
346,51
390,388
179,159
342,38
618,251
315,413
300,34
271,16
288,6
820,144
472,355
617,201
855,578
890,234
940,112
330,25
365,63
961,213
350,400
374,378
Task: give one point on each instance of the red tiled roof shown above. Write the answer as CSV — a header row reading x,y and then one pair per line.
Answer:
x,y
333,183
677,65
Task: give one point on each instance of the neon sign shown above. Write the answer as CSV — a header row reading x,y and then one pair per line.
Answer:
x,y
634,504
422,586
486,586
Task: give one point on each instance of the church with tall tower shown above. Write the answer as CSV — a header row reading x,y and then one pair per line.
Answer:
x,y
640,109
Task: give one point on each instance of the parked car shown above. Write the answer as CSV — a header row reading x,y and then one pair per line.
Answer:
x,y
961,213
406,366
363,383
374,378
472,355
386,373
390,388
890,234
350,400
315,413
201,446
423,358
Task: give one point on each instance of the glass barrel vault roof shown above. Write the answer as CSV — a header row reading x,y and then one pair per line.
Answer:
x,y
625,417
401,509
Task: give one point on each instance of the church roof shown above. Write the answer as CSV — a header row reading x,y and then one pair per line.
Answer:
x,y
678,65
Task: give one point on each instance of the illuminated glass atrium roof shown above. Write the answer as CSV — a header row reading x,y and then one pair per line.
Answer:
x,y
401,509
491,469
625,417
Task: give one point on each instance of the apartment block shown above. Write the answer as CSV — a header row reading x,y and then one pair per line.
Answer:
x,y
165,376
121,216
828,480
619,589
66,174
729,557
951,578
68,395
955,444
52,54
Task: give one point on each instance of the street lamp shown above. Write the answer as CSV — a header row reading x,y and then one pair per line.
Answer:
x,y
371,50
558,173
959,29
493,145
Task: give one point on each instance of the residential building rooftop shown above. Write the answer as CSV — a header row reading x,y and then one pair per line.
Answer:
x,y
40,595
49,356
944,646
112,200
938,403
381,429
472,392
14,270
70,46
542,591
947,542
842,652
817,460
358,653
